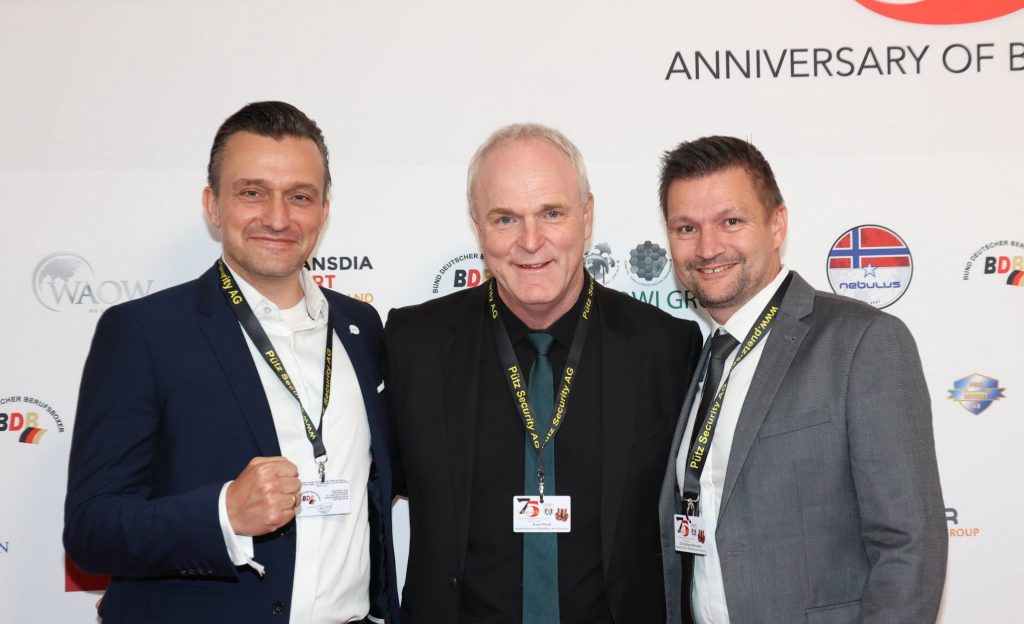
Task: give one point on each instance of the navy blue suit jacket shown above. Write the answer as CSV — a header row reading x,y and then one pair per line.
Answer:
x,y
170,408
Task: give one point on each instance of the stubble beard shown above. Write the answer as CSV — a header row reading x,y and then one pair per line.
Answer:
x,y
723,300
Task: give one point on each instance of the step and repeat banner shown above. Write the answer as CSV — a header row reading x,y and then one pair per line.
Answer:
x,y
894,128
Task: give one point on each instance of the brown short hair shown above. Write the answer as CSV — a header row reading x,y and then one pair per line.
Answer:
x,y
708,155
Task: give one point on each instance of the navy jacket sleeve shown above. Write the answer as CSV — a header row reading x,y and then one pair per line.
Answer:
x,y
113,523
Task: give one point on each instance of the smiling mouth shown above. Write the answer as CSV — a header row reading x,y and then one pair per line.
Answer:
x,y
538,265
273,241
714,270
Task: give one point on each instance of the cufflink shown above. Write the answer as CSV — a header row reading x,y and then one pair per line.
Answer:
x,y
352,329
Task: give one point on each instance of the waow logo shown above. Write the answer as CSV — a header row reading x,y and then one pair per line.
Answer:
x,y
943,11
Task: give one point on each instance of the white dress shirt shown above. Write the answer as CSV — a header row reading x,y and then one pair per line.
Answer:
x,y
332,556
707,597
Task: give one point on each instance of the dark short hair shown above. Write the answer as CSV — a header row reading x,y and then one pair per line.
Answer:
x,y
269,119
708,155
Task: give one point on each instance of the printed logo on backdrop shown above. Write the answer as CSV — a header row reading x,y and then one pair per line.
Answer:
x,y
896,59
27,420
955,529
5,546
465,271
648,264
976,393
325,269
76,580
998,262
870,263
942,11
65,281
600,263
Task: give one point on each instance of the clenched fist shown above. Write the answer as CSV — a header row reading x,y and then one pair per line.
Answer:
x,y
264,497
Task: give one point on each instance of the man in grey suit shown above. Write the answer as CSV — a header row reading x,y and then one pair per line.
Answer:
x,y
803,486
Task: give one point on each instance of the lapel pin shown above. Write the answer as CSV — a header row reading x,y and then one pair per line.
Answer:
x,y
353,329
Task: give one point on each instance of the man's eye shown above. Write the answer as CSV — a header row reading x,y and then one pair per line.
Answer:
x,y
686,229
554,214
732,222
503,220
250,193
302,198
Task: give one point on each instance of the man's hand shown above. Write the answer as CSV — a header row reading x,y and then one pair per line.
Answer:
x,y
264,497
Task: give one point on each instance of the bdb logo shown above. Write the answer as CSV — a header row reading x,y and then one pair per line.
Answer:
x,y
976,393
465,271
870,263
943,11
65,281
20,417
955,530
997,262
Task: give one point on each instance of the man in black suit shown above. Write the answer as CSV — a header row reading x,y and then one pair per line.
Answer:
x,y
534,413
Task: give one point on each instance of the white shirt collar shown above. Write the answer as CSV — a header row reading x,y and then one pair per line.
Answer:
x,y
316,302
743,319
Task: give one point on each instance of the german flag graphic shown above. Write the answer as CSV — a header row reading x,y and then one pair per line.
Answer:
x,y
31,435
1016,278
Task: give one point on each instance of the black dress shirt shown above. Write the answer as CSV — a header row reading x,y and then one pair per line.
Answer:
x,y
492,581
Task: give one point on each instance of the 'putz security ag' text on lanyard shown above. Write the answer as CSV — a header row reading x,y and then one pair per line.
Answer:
x,y
517,386
259,338
702,441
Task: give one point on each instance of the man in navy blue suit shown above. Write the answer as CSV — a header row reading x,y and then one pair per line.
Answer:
x,y
229,460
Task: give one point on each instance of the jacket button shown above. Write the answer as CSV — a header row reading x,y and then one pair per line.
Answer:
x,y
277,608
455,582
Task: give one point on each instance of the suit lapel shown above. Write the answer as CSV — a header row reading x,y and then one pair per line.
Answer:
x,y
620,366
459,381
367,375
671,482
779,350
228,343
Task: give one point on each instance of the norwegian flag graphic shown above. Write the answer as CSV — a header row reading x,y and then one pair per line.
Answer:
x,y
867,246
871,263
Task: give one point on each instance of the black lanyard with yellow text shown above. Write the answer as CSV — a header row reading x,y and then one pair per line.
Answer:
x,y
698,451
517,386
259,338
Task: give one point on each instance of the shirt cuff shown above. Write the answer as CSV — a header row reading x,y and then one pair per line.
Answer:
x,y
240,548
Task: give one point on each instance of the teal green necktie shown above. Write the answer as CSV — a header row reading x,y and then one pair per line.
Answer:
x,y
540,550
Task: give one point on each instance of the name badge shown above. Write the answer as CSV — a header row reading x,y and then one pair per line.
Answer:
x,y
329,498
529,515
690,534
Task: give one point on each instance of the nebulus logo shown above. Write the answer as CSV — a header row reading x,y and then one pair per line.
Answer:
x,y
66,281
943,11
870,263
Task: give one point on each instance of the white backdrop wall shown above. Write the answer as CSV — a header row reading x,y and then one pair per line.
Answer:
x,y
109,107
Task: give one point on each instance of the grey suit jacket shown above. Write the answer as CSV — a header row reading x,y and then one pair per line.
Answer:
x,y
831,509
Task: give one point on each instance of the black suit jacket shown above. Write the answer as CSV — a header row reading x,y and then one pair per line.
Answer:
x,y
171,407
647,359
